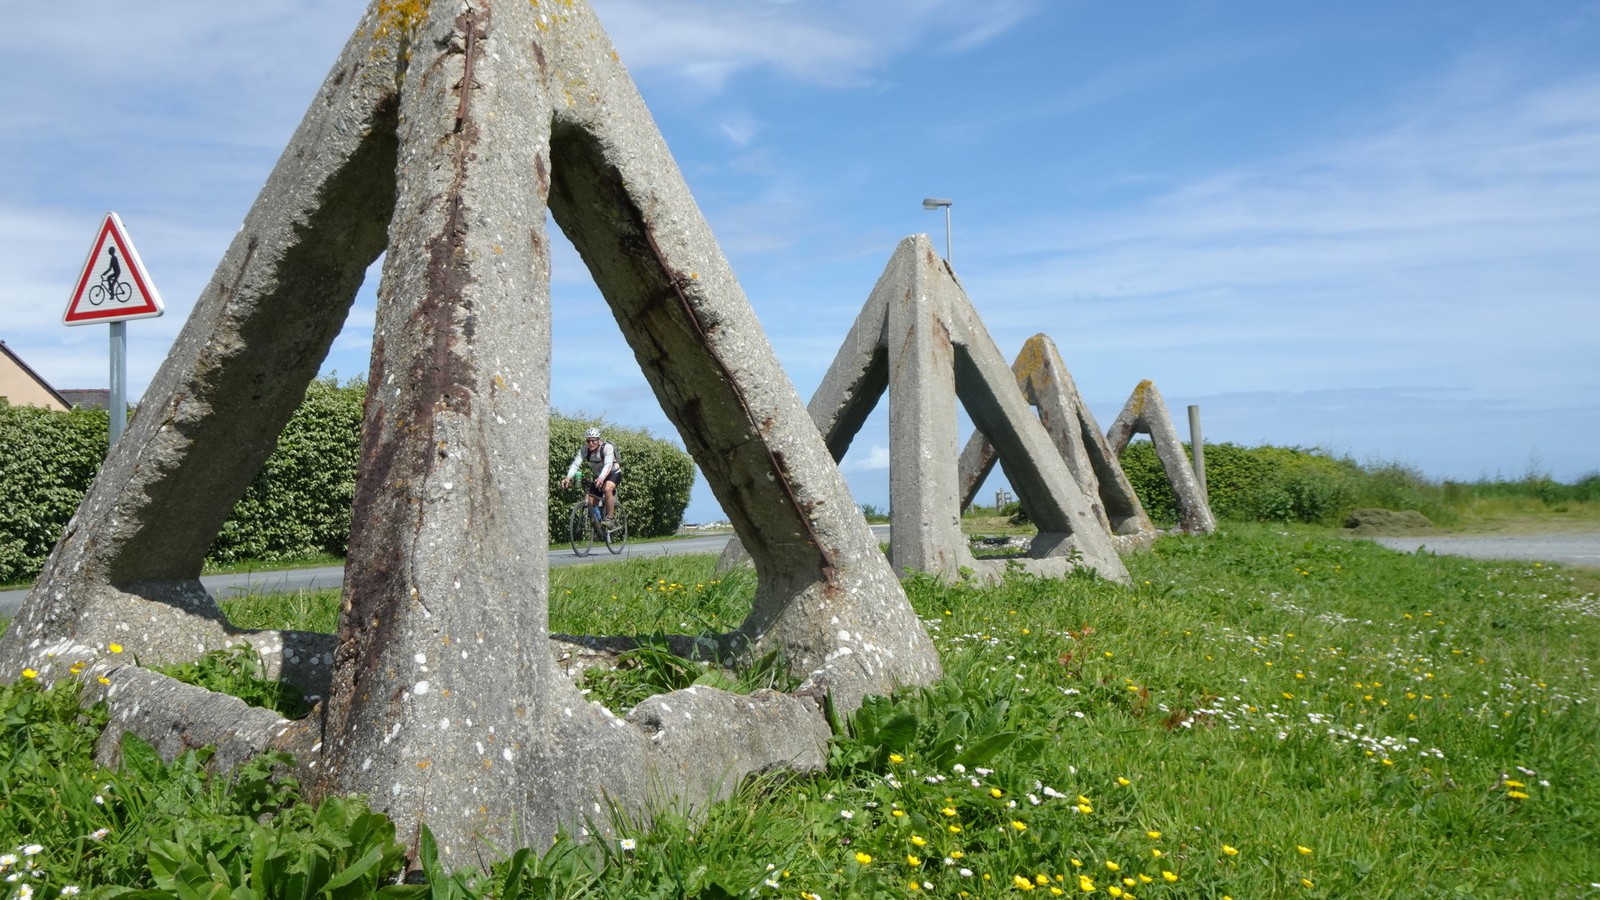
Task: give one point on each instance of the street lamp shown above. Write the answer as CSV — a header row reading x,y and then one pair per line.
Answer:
x,y
935,203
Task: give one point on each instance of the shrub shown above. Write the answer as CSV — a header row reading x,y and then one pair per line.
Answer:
x,y
298,505
1256,484
50,458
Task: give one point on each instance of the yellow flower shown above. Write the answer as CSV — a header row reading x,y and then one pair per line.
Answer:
x,y
1516,795
114,647
103,680
1304,850
1085,808
1083,799
898,813
896,758
863,858
1514,784
1168,876
1019,826
30,673
953,829
919,840
1306,882
1022,883
1112,866
1076,863
1041,878
1153,835
1231,851
956,854
1114,891
1145,879
996,793
913,861
948,811
1123,781
1155,853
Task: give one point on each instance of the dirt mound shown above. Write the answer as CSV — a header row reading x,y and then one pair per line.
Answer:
x,y
1386,521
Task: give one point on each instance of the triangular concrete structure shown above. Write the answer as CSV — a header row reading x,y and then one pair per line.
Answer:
x,y
443,134
1048,386
1146,413
919,338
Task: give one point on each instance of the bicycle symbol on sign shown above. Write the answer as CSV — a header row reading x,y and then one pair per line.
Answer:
x,y
111,283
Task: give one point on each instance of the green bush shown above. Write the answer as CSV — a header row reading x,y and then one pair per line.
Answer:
x,y
50,457
1253,484
298,505
656,477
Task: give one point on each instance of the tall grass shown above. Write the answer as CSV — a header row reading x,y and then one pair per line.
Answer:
x,y
1267,712
1311,486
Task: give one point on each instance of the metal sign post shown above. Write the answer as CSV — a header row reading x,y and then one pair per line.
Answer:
x,y
114,287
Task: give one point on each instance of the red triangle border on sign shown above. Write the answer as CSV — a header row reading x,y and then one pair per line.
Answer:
x,y
135,273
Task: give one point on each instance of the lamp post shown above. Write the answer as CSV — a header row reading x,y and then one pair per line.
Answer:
x,y
935,203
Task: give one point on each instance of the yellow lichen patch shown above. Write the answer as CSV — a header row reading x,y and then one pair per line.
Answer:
x,y
403,16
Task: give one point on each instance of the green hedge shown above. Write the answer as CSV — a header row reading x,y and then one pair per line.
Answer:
x,y
656,477
1253,484
299,504
47,460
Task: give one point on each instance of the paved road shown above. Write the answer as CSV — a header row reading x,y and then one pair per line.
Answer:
x,y
289,580
1571,548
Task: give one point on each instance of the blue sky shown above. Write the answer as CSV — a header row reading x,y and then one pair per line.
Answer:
x,y
1368,227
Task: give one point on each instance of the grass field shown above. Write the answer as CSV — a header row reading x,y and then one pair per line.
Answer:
x,y
1271,711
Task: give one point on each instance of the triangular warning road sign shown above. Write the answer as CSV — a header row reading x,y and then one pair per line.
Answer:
x,y
113,285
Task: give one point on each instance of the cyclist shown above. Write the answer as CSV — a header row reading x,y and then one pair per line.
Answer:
x,y
602,455
112,274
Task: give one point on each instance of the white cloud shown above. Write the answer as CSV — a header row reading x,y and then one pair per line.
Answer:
x,y
875,460
832,43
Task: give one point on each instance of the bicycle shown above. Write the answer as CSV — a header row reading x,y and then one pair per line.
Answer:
x,y
110,286
584,529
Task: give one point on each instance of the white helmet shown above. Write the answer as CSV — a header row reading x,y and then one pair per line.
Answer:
x,y
591,433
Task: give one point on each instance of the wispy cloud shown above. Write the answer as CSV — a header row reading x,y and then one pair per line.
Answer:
x,y
832,43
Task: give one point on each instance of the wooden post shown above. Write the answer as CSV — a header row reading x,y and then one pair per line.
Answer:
x,y
1198,443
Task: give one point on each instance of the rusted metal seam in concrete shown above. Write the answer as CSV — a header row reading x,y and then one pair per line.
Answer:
x,y
676,280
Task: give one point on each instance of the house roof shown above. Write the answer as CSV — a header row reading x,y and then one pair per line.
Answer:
x,y
28,370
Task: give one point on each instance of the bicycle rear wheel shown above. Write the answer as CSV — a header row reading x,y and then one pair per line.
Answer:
x,y
617,534
580,529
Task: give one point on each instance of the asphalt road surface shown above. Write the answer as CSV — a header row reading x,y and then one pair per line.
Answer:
x,y
282,581
1573,549
1576,549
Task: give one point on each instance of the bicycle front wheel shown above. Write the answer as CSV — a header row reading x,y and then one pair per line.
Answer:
x,y
122,292
580,530
617,534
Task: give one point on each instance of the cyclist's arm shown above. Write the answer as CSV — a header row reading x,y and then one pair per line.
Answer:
x,y
577,463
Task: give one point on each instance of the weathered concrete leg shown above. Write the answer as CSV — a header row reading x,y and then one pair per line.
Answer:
x,y
926,535
826,598
127,568
1146,413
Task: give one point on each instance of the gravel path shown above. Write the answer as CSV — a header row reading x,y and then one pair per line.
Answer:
x,y
1575,548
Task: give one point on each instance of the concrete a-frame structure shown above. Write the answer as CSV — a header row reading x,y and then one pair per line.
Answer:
x,y
919,338
1146,413
1048,386
442,135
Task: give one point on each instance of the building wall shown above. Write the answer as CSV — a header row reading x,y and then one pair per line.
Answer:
x,y
21,387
